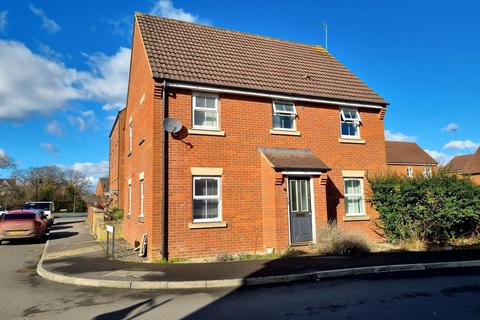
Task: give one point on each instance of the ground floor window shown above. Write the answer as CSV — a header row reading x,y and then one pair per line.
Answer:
x,y
410,172
354,199
427,171
206,199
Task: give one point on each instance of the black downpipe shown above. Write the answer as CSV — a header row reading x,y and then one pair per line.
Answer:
x,y
165,176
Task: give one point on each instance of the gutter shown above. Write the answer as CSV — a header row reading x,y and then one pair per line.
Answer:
x,y
165,176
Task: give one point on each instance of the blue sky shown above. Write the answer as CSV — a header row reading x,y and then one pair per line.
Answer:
x,y
64,66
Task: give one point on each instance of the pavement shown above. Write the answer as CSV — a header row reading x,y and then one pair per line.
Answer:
x,y
73,256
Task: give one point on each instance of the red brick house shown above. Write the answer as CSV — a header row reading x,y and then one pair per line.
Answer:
x,y
466,165
277,140
117,158
103,190
408,158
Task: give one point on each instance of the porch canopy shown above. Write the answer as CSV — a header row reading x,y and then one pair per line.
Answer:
x,y
293,159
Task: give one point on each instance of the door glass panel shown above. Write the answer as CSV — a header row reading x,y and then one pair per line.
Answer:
x,y
303,195
293,196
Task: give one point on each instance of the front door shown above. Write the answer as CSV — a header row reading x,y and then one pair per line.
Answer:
x,y
300,208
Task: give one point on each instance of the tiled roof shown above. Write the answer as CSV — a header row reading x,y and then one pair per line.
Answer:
x,y
408,153
458,163
293,159
466,164
201,54
105,183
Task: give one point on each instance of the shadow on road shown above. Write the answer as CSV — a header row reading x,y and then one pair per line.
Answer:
x,y
67,222
139,309
62,234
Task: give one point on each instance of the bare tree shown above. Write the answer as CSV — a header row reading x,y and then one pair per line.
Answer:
x,y
6,162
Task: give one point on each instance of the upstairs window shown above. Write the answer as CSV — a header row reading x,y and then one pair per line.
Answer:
x,y
205,111
130,134
206,199
284,114
350,123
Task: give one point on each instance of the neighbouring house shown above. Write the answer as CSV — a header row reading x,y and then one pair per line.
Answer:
x,y
103,190
277,140
117,159
407,158
466,165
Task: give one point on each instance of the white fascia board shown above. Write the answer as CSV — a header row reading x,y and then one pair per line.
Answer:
x,y
272,96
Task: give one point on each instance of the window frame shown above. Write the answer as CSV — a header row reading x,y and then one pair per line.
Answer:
x,y
130,134
217,110
410,172
427,171
292,114
344,119
217,197
142,198
129,198
362,194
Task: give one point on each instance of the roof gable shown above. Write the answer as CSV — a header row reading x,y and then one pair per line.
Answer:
x,y
194,53
407,153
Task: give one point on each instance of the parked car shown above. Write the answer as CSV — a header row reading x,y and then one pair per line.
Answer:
x,y
20,224
48,207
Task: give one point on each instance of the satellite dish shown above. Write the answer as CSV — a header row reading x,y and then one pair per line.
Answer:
x,y
172,125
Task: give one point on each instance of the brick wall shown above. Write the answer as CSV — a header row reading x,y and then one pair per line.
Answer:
x,y
402,169
247,188
117,160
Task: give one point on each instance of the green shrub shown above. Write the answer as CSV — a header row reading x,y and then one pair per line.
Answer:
x,y
115,213
436,209
333,241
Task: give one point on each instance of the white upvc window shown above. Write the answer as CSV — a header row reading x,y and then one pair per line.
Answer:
x,y
142,196
205,113
350,123
130,134
410,172
354,198
207,204
284,114
427,171
130,197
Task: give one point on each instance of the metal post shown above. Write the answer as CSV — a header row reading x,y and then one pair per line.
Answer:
x,y
108,239
113,243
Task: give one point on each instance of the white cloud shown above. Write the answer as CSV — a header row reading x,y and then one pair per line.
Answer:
x,y
49,53
461,144
50,148
31,83
398,136
54,128
93,171
451,127
3,20
2,153
78,122
441,157
47,23
165,8
109,80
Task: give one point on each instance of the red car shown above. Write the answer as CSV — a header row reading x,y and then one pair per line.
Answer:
x,y
21,224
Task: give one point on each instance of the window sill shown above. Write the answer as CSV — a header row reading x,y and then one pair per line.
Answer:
x,y
129,216
206,225
141,141
206,132
356,218
351,140
129,153
285,132
140,219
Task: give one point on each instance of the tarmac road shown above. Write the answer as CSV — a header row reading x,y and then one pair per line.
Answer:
x,y
453,294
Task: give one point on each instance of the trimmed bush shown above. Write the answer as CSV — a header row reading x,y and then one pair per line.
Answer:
x,y
333,241
115,214
433,209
